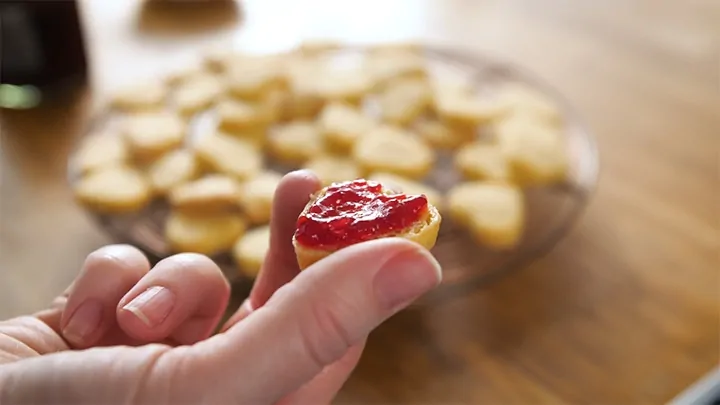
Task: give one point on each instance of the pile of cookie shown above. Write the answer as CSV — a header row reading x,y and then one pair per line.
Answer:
x,y
385,116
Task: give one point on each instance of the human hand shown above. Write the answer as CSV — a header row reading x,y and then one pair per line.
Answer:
x,y
126,333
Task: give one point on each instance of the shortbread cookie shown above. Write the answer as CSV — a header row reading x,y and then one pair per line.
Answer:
x,y
343,86
385,67
345,214
333,169
113,190
197,93
466,109
142,96
341,125
536,154
531,104
229,155
482,161
204,234
211,194
250,250
244,119
393,150
256,196
152,134
171,170
442,135
405,100
494,213
396,47
254,77
406,186
99,150
296,142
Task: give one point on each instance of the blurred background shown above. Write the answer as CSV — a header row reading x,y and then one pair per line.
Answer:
x,y
623,310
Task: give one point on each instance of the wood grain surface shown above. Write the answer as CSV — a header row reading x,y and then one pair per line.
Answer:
x,y
624,310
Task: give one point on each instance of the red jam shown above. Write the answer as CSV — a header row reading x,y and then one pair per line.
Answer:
x,y
357,211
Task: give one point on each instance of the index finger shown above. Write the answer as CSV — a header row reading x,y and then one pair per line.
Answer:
x,y
280,266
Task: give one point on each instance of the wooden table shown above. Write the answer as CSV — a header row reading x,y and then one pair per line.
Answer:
x,y
624,310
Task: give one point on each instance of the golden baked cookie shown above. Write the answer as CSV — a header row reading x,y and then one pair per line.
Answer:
x,y
253,77
494,213
99,150
342,124
482,161
256,196
330,222
197,93
175,168
536,154
151,134
211,194
441,135
530,104
333,169
230,155
296,142
146,95
204,234
390,149
250,250
248,120
116,189
403,101
467,109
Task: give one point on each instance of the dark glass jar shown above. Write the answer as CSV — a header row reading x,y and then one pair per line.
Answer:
x,y
43,48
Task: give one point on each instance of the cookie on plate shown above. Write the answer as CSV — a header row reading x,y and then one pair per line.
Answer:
x,y
390,149
482,161
99,150
175,168
197,93
250,250
147,95
342,124
441,135
210,194
296,142
229,155
536,154
256,196
403,101
204,234
116,189
149,135
493,212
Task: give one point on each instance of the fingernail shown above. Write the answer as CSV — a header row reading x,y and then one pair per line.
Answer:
x,y
152,306
405,277
83,322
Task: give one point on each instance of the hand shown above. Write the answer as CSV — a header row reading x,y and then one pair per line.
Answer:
x,y
126,333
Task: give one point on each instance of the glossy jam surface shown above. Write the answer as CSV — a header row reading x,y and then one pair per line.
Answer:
x,y
356,211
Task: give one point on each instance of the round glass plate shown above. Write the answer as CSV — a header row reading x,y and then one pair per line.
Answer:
x,y
551,211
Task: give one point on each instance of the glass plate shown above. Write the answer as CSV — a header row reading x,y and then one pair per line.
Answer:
x,y
551,211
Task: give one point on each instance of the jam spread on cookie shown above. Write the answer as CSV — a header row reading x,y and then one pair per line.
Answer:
x,y
357,211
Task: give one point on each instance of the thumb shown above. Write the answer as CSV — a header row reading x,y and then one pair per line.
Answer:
x,y
310,322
